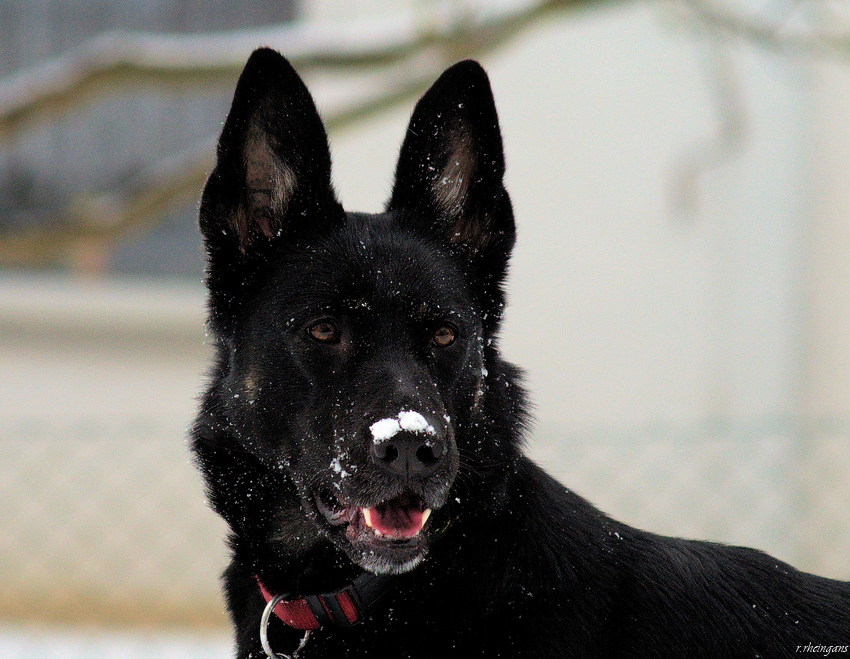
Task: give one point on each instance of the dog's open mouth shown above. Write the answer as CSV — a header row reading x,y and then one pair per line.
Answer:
x,y
401,519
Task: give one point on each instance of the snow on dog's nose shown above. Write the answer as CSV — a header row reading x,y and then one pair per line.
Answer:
x,y
407,420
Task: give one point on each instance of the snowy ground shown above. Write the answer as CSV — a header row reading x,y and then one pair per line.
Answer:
x,y
58,643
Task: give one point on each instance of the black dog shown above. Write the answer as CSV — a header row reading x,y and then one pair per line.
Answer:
x,y
362,436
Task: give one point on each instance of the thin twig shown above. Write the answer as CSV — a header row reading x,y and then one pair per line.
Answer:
x,y
759,31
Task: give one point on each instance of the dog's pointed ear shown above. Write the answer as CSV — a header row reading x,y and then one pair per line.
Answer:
x,y
273,169
449,177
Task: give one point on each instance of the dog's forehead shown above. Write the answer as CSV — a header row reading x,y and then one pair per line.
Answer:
x,y
375,261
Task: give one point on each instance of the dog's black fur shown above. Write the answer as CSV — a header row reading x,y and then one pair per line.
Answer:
x,y
326,322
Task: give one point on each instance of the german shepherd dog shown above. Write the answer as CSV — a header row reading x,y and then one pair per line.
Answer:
x,y
362,436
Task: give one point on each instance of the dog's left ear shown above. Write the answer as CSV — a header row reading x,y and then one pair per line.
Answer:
x,y
449,178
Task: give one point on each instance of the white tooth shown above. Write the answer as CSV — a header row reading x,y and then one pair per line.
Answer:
x,y
425,515
367,517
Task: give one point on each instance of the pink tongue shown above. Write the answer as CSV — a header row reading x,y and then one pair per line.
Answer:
x,y
397,521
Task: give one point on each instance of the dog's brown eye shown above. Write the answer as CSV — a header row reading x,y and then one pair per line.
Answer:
x,y
324,331
444,336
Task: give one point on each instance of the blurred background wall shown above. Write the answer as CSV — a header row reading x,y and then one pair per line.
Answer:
x,y
678,295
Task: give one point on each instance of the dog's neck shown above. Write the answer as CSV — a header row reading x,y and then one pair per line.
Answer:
x,y
343,607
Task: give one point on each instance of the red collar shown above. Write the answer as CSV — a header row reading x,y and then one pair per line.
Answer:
x,y
344,607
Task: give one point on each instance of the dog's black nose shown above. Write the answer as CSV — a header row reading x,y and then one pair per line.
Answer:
x,y
408,455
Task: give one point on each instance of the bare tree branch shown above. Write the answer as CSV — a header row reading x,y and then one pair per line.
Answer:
x,y
719,25
416,55
718,148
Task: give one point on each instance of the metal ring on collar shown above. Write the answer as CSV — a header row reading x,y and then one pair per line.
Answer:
x,y
264,637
